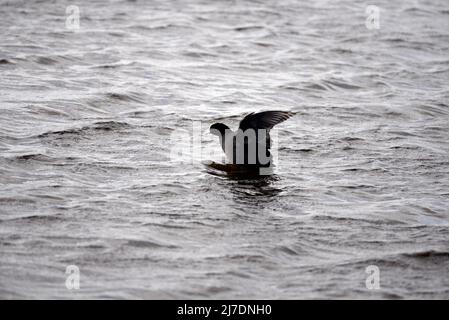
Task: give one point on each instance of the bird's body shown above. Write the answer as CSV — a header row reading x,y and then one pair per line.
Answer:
x,y
249,146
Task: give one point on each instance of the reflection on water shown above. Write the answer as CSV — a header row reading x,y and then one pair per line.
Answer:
x,y
255,190
246,184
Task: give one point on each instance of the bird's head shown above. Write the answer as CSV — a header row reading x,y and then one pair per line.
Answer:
x,y
218,129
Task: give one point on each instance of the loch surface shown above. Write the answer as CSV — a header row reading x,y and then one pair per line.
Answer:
x,y
89,120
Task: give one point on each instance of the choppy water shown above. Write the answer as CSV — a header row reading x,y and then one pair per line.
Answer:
x,y
86,177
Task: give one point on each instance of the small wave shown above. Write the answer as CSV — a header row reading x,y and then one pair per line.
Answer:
x,y
109,125
434,110
38,218
402,133
428,254
118,64
290,87
333,84
342,50
341,84
46,110
263,44
420,10
395,40
255,258
97,126
357,187
149,244
288,250
248,28
316,86
46,61
351,139
198,54
218,289
117,34
126,97
165,26
287,148
377,222
402,260
6,61
34,156
165,225
13,200
389,262
59,132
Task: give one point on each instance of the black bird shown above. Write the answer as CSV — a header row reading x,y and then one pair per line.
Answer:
x,y
249,146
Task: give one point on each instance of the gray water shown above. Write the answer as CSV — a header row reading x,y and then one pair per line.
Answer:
x,y
87,177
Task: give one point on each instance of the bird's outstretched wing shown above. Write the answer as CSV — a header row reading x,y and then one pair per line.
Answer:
x,y
264,120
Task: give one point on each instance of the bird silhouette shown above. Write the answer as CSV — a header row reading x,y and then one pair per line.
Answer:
x,y
249,146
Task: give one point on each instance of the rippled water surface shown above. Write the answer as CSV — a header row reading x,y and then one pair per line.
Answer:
x,y
87,176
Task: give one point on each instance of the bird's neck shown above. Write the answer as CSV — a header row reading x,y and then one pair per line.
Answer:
x,y
223,141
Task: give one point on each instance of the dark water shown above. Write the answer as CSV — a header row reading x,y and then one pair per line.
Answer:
x,y
86,131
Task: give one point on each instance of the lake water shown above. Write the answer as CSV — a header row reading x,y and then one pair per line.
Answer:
x,y
88,177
